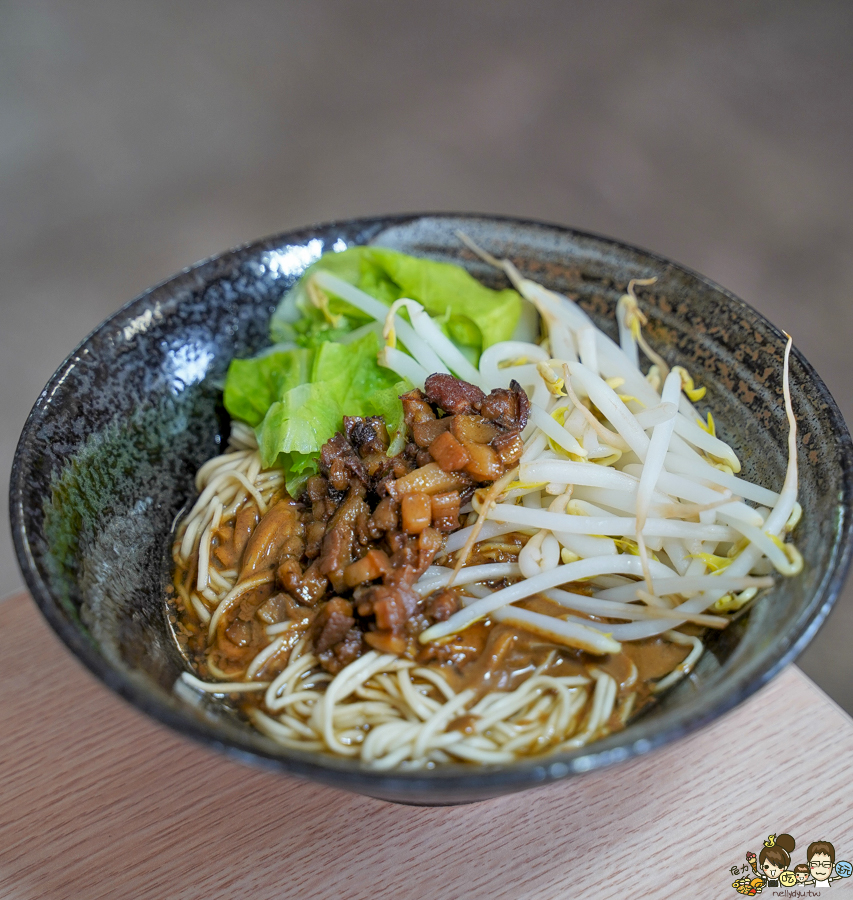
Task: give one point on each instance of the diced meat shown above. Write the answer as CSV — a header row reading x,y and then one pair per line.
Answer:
x,y
232,544
296,612
508,408
426,432
363,530
371,566
274,610
332,623
316,488
415,408
393,605
336,553
343,653
241,637
509,447
473,429
452,394
405,557
377,464
238,654
441,607
337,550
484,463
314,533
240,632
430,542
385,517
423,458
430,479
289,574
340,463
309,590
395,467
367,435
386,642
445,511
416,512
449,453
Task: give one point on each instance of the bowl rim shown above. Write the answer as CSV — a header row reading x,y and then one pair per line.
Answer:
x,y
447,782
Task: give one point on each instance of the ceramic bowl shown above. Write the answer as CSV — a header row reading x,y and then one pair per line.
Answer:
x,y
107,458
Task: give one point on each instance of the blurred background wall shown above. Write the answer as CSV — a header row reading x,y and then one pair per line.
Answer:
x,y
137,138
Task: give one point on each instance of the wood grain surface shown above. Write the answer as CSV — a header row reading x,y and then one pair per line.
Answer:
x,y
98,801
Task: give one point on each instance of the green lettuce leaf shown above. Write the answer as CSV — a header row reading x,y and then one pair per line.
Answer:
x,y
476,315
473,316
298,320
253,385
386,403
354,366
345,380
302,421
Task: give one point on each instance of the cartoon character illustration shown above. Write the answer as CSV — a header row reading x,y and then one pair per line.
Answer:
x,y
749,886
821,857
775,858
772,867
752,859
801,870
843,869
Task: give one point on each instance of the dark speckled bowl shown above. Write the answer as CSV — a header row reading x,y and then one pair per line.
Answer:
x,y
108,454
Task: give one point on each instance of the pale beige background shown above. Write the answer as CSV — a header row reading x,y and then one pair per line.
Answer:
x,y
136,138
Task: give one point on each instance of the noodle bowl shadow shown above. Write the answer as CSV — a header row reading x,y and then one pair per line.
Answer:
x,y
107,459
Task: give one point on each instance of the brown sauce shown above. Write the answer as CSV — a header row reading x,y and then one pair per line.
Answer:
x,y
509,655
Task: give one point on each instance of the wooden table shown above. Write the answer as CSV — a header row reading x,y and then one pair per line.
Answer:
x,y
98,801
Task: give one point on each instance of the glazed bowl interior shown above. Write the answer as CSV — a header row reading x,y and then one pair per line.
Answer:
x,y
107,459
